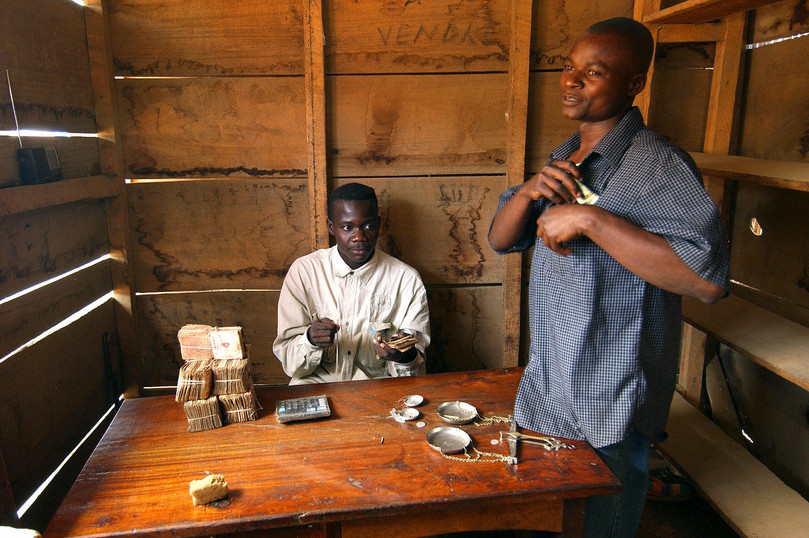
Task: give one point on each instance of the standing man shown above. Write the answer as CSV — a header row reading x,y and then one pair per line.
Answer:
x,y
332,298
608,273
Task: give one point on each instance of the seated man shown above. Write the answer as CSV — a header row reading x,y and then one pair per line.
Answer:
x,y
331,300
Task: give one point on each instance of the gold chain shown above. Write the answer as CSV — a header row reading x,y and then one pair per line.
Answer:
x,y
478,457
480,420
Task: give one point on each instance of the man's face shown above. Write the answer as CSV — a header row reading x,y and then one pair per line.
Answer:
x,y
355,228
598,81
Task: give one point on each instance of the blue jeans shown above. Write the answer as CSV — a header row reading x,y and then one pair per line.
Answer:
x,y
618,515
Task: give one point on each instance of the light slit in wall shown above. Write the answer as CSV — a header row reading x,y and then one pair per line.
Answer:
x,y
760,44
62,324
55,279
27,504
37,133
191,292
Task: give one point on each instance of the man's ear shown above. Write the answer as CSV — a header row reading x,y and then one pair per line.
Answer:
x,y
637,85
330,226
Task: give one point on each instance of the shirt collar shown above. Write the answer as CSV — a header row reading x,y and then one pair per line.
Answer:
x,y
614,144
341,269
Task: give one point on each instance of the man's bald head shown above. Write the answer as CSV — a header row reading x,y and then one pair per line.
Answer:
x,y
637,37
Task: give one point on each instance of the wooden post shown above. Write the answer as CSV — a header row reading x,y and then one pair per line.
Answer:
x,y
725,80
692,363
96,18
644,98
518,77
314,74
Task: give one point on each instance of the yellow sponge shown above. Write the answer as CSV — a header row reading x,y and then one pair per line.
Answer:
x,y
211,488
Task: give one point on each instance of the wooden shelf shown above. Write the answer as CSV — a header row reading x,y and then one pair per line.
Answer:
x,y
702,10
753,500
783,174
769,340
16,200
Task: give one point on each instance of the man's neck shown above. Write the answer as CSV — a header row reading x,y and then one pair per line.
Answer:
x,y
591,133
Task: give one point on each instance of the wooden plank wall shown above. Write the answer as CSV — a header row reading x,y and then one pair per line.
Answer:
x,y
235,128
772,269
53,389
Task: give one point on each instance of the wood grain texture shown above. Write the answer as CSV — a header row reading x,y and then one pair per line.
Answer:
x,y
702,10
39,245
697,55
558,23
467,328
162,315
692,363
50,395
31,197
519,91
698,33
781,19
517,515
782,174
417,124
44,48
547,128
369,36
722,110
445,240
246,233
316,123
748,495
34,313
213,127
766,338
679,105
356,464
776,132
772,412
206,37
111,159
776,263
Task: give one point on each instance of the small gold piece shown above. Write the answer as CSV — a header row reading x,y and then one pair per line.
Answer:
x,y
755,227
209,489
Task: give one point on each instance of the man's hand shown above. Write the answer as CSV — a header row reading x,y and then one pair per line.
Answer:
x,y
387,353
321,332
555,182
562,223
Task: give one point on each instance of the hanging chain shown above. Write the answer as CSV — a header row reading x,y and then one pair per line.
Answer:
x,y
478,458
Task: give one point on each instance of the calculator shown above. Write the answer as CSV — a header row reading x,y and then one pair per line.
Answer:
x,y
303,408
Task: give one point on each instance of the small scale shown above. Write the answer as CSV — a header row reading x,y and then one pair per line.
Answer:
x,y
304,408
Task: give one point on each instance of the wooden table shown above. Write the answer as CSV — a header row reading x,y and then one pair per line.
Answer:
x,y
356,473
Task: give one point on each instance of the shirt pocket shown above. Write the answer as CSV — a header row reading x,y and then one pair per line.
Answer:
x,y
380,307
570,266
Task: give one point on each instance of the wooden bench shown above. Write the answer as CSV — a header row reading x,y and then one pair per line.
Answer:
x,y
748,496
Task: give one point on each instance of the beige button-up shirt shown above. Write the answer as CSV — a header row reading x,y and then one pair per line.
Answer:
x,y
322,285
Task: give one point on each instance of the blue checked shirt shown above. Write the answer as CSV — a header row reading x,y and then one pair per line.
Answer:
x,y
605,343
